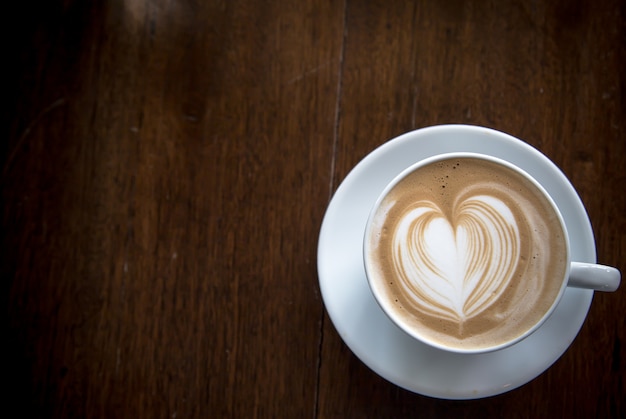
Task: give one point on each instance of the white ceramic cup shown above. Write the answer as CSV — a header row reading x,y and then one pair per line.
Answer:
x,y
576,274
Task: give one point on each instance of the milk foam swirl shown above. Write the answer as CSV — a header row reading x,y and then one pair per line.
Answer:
x,y
454,267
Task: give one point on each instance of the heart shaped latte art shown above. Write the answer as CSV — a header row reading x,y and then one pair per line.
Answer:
x,y
457,267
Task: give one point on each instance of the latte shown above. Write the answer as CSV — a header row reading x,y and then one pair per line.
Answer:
x,y
466,253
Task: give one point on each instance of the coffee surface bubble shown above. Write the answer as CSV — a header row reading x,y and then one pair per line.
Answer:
x,y
469,253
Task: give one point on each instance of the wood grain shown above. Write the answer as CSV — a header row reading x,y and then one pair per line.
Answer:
x,y
166,168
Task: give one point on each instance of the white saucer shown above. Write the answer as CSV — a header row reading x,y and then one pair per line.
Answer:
x,y
380,344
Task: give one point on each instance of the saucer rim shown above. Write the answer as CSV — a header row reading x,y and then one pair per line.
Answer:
x,y
508,146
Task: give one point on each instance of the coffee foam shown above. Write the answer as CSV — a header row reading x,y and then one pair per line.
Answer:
x,y
467,252
456,268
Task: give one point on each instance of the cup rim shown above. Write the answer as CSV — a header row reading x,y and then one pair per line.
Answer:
x,y
382,303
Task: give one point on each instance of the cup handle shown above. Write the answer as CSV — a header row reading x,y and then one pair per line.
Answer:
x,y
594,277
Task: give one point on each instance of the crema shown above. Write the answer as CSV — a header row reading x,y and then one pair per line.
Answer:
x,y
469,253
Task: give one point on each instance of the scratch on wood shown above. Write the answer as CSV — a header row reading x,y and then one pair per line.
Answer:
x,y
117,361
27,131
309,72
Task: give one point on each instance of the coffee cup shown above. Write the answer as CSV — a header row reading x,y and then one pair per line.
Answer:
x,y
469,253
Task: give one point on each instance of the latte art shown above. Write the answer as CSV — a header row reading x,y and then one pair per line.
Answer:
x,y
455,269
466,253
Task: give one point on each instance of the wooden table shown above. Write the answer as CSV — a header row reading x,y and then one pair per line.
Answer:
x,y
167,165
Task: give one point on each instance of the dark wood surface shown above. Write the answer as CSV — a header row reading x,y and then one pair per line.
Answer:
x,y
167,164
